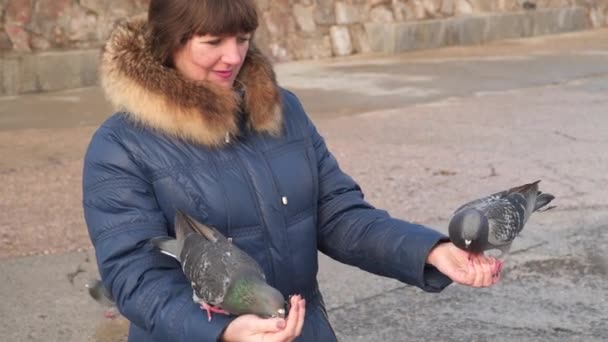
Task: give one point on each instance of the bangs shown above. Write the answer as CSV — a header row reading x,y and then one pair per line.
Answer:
x,y
225,17
173,22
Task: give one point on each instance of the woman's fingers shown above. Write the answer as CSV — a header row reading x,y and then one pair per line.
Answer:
x,y
487,272
470,273
264,325
294,315
484,270
289,333
476,272
497,267
272,329
301,318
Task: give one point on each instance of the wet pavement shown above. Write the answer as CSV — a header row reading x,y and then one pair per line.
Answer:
x,y
422,133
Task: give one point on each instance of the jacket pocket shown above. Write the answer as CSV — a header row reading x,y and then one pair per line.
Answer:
x,y
292,168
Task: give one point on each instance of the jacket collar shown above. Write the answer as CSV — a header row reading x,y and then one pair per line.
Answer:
x,y
200,112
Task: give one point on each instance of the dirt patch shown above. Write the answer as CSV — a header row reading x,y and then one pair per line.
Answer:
x,y
570,266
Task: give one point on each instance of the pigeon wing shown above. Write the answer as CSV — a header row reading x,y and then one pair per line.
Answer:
x,y
212,267
483,202
525,194
204,265
506,219
240,262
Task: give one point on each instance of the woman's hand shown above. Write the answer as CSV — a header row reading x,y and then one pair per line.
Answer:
x,y
475,270
251,328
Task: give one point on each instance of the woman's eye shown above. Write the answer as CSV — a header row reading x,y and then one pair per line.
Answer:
x,y
243,39
214,42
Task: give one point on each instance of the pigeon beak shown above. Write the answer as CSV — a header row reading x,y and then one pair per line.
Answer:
x,y
467,243
281,313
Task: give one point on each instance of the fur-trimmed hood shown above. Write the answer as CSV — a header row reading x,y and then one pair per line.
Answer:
x,y
201,112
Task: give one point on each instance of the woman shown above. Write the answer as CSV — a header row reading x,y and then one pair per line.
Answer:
x,y
205,129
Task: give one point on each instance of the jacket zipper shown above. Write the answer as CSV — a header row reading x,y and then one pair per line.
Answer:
x,y
284,200
225,196
257,207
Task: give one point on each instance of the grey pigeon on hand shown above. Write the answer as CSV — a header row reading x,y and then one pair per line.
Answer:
x,y
224,278
494,221
101,295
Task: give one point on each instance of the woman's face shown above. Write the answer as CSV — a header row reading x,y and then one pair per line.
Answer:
x,y
216,59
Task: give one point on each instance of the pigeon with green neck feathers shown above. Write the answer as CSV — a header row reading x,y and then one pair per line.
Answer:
x,y
224,278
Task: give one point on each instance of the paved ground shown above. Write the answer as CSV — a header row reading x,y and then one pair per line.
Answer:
x,y
422,133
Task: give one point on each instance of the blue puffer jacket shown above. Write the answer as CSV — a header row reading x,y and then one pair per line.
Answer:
x,y
262,175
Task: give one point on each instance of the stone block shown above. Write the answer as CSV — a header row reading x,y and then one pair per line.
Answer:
x,y
278,22
476,30
305,18
347,13
432,7
95,6
9,76
572,19
82,26
340,40
263,5
381,14
447,7
18,11
506,5
325,12
463,7
48,71
469,30
381,37
5,42
482,5
359,39
417,9
509,26
373,3
18,36
420,35
400,12
311,47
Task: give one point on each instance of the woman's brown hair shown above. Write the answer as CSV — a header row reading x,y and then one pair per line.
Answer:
x,y
173,22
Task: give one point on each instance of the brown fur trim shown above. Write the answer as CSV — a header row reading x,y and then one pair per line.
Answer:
x,y
200,112
262,98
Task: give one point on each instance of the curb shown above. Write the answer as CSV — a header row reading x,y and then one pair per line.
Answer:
x,y
48,71
474,29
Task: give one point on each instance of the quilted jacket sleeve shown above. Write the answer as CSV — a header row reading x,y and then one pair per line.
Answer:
x,y
122,214
353,232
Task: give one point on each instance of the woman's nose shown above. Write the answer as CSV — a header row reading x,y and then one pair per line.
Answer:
x,y
231,54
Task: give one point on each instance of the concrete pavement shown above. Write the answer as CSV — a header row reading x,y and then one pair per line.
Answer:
x,y
421,132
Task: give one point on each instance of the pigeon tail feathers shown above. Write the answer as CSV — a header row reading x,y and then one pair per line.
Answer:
x,y
183,225
186,224
168,246
525,188
98,292
542,200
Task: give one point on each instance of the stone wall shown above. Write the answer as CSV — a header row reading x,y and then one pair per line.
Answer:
x,y
290,29
50,45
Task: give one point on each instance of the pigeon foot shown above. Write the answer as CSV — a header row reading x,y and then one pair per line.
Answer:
x,y
110,314
210,309
499,265
474,256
